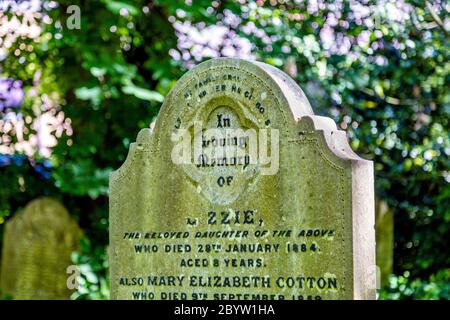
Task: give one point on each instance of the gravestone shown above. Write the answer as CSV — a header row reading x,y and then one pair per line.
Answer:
x,y
384,230
37,245
240,192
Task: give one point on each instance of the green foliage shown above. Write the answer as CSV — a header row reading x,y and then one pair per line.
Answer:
x,y
92,262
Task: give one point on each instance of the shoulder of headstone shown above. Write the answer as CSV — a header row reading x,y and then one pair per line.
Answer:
x,y
335,139
144,138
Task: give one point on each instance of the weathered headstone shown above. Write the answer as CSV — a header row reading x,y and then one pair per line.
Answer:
x,y
384,230
241,192
37,246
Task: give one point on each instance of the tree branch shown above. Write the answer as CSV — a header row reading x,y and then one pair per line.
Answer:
x,y
435,16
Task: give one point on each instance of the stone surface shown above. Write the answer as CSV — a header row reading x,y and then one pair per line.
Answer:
x,y
37,245
384,230
295,221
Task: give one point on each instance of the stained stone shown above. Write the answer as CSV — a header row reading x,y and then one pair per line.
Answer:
x,y
37,245
384,230
241,192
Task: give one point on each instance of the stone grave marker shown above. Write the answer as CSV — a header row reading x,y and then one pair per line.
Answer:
x,y
37,245
240,192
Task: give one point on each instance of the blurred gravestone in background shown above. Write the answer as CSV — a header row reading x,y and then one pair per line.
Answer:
x,y
37,246
222,224
384,230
